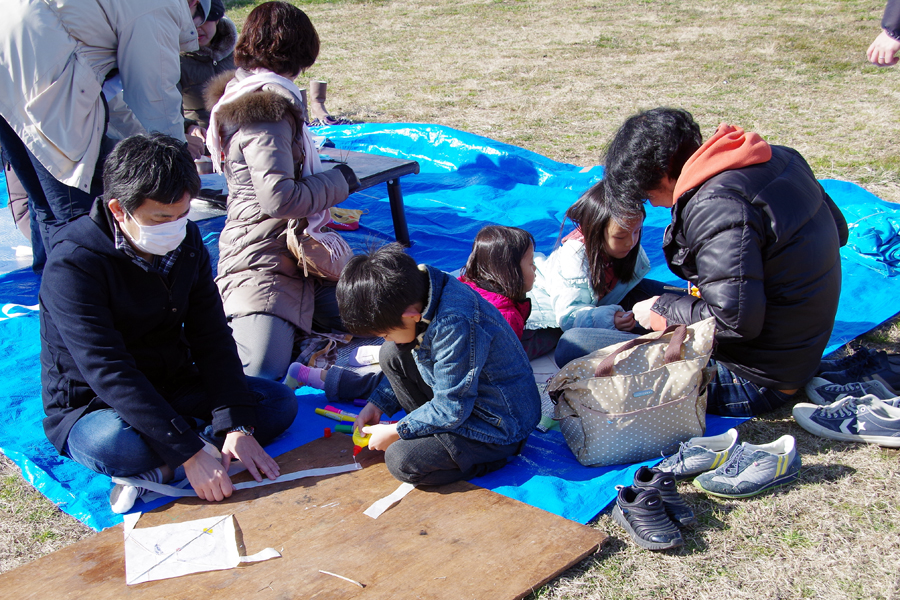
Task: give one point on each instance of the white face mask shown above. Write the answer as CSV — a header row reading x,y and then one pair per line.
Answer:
x,y
159,239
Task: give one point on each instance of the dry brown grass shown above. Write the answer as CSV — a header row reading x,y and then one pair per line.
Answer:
x,y
833,535
558,77
30,525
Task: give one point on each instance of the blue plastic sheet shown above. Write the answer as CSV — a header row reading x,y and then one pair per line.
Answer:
x,y
466,181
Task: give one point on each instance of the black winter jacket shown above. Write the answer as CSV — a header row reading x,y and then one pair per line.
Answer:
x,y
200,67
890,22
762,244
114,335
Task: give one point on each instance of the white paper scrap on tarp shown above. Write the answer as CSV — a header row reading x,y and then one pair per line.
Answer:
x,y
377,509
178,549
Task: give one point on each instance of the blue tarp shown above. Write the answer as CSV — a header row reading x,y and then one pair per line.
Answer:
x,y
465,182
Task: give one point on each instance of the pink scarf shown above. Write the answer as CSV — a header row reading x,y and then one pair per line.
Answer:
x,y
311,163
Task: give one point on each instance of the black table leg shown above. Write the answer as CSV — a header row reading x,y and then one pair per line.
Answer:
x,y
398,214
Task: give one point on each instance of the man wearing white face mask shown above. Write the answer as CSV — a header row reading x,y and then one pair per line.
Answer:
x,y
140,373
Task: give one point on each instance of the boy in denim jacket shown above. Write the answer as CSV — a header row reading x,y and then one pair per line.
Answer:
x,y
453,364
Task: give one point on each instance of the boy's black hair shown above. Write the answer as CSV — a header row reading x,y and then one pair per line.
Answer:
x,y
154,166
648,146
376,288
279,37
495,261
592,213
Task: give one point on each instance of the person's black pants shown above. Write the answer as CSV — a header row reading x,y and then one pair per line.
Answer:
x,y
439,458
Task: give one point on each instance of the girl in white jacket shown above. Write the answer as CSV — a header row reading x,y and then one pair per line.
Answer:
x,y
583,282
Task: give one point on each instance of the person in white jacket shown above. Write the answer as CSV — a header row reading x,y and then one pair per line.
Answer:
x,y
584,281
597,273
77,74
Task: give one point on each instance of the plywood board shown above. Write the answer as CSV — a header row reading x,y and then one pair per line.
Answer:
x,y
450,542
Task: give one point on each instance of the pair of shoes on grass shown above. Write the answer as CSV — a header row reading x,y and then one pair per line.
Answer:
x,y
868,419
651,510
728,470
864,366
859,357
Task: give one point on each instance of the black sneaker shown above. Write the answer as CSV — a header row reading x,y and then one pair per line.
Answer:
x,y
677,509
862,355
642,514
880,366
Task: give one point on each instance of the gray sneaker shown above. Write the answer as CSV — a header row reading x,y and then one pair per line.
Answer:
x,y
700,454
823,392
850,419
752,470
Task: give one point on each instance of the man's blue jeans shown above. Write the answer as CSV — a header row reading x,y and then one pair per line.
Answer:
x,y
730,395
104,443
15,152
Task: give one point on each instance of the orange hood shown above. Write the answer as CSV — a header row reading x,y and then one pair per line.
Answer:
x,y
729,148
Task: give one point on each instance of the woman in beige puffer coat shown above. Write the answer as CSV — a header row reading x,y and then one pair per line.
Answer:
x,y
266,297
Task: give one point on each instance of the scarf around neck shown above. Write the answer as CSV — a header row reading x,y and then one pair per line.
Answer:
x,y
259,79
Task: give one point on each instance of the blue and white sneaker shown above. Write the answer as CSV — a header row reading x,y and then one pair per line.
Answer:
x,y
822,392
850,419
700,454
752,470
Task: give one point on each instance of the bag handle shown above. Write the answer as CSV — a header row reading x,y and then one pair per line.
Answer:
x,y
673,350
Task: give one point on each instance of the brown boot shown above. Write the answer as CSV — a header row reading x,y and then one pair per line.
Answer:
x,y
317,110
318,114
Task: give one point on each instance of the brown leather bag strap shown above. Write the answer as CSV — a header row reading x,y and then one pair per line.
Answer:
x,y
673,350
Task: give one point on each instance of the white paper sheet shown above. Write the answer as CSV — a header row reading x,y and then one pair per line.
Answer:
x,y
179,549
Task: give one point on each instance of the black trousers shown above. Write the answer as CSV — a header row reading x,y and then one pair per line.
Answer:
x,y
439,458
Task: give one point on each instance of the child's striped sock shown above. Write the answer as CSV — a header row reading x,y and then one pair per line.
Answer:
x,y
299,375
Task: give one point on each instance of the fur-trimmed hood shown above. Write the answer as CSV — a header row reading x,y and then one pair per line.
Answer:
x,y
271,103
221,45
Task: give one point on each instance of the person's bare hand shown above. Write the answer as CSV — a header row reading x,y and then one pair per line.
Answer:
x,y
246,449
382,436
369,415
196,140
883,51
195,146
624,321
208,477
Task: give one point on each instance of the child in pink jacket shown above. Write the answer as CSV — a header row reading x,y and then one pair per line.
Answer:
x,y
501,269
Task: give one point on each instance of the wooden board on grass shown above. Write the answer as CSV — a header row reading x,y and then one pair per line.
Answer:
x,y
455,541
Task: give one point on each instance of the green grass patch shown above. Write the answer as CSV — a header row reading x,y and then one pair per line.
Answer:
x,y
46,535
793,538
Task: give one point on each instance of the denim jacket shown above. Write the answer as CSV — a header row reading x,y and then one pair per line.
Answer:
x,y
483,384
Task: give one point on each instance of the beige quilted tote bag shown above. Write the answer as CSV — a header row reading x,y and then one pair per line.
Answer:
x,y
632,401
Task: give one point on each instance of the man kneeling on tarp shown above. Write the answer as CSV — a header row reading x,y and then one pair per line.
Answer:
x,y
755,232
140,373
